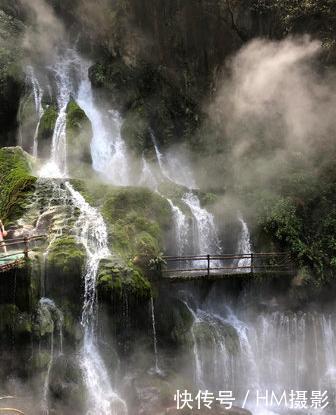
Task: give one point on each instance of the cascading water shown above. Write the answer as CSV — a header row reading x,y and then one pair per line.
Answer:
x,y
108,149
147,177
205,229
244,247
157,370
181,228
38,95
62,70
55,318
198,372
102,400
276,351
204,232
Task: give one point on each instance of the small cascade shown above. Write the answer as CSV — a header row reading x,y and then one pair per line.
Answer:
x,y
38,95
55,317
207,238
159,157
244,247
271,350
108,149
102,400
181,229
56,167
147,177
204,232
198,372
157,370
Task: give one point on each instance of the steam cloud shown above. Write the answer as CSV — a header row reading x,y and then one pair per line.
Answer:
x,y
274,106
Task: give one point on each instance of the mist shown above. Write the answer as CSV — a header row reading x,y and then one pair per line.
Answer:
x,y
273,113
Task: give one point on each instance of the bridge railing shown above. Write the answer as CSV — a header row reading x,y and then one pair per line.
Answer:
x,y
15,247
228,264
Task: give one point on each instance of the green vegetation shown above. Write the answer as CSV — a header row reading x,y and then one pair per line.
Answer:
x,y
17,183
47,123
67,256
299,215
79,133
137,218
114,279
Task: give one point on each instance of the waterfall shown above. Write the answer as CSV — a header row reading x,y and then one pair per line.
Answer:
x,y
108,149
159,156
205,233
157,370
62,70
56,319
147,177
280,350
38,95
244,247
181,226
92,232
102,400
198,372
207,238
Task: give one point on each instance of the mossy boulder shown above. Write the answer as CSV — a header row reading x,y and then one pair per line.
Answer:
x,y
138,219
65,267
79,134
17,183
115,279
46,130
67,387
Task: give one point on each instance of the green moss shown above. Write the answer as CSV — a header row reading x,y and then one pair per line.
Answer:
x,y
17,183
79,134
116,279
47,123
137,218
66,255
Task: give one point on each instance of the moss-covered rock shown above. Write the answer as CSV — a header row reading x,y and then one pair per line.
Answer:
x,y
47,124
137,218
114,279
79,133
65,268
17,182
66,255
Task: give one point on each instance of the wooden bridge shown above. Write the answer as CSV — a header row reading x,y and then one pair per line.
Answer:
x,y
17,251
221,266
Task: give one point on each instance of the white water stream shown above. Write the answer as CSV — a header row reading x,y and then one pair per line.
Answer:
x,y
38,95
108,149
276,351
55,317
92,234
244,247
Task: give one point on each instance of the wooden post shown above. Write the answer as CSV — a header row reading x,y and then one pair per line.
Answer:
x,y
26,248
208,258
252,265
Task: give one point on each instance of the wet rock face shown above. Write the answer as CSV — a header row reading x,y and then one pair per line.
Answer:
x,y
11,74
